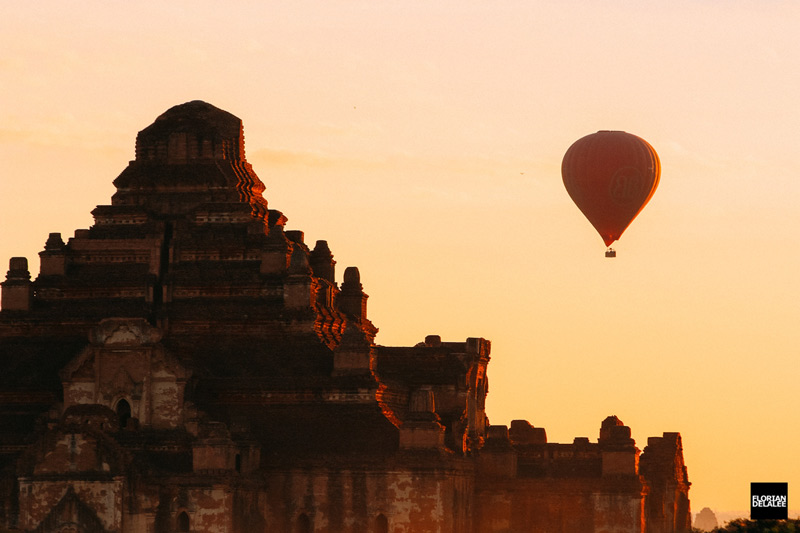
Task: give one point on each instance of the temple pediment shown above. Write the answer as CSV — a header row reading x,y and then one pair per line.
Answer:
x,y
125,362
71,515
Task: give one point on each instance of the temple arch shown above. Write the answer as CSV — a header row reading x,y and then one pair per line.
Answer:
x,y
381,524
182,522
123,410
303,524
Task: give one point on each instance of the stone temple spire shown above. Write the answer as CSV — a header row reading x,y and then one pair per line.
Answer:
x,y
192,131
193,154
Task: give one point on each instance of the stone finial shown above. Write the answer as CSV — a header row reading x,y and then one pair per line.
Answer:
x,y
605,427
352,300
18,269
54,242
322,262
614,433
322,247
298,288
17,290
619,453
298,263
53,259
352,278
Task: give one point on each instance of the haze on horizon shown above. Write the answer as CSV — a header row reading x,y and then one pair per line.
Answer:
x,y
423,141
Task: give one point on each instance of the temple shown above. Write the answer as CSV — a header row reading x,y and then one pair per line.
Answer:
x,y
189,364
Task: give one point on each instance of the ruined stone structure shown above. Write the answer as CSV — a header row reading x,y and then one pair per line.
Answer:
x,y
187,364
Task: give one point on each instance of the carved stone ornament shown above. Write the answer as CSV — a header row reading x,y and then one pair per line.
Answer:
x,y
124,332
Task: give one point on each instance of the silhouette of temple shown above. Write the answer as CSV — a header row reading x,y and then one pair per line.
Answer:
x,y
187,364
706,520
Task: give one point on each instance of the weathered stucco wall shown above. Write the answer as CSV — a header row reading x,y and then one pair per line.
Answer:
x,y
558,506
40,498
343,501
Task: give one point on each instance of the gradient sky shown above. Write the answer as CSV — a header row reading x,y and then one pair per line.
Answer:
x,y
423,141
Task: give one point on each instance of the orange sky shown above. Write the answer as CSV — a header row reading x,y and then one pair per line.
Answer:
x,y
424,140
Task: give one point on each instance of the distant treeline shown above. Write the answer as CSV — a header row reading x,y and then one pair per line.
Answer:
x,y
741,525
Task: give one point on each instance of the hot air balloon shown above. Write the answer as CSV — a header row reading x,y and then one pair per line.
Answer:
x,y
610,175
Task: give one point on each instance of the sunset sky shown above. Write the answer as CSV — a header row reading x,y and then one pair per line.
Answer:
x,y
423,140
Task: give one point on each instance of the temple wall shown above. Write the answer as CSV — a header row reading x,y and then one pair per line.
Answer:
x,y
353,501
558,506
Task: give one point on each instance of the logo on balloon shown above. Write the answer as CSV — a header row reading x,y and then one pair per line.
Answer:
x,y
626,187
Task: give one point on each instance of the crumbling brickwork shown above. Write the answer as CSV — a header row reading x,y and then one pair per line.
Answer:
x,y
188,364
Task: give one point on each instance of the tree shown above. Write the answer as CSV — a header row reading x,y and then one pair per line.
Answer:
x,y
741,525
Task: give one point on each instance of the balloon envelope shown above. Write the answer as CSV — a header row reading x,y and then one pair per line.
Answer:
x,y
610,175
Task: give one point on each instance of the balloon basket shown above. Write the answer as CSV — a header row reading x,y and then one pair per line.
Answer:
x,y
611,253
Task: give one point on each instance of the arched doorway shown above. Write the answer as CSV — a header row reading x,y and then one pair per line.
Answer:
x,y
123,413
183,522
381,524
303,524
